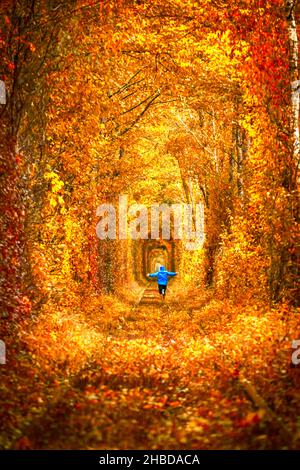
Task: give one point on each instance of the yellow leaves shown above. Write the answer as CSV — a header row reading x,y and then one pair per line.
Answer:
x,y
56,186
71,229
66,269
197,425
53,336
53,202
49,175
220,58
185,64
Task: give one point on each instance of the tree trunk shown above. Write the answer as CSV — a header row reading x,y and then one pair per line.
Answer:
x,y
294,78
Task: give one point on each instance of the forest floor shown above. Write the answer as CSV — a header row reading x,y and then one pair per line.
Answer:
x,y
112,375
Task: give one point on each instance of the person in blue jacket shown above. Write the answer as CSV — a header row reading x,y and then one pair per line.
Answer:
x,y
162,279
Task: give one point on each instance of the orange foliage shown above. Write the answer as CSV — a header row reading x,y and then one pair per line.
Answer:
x,y
166,102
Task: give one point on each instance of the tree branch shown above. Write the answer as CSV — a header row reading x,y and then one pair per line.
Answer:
x,y
157,94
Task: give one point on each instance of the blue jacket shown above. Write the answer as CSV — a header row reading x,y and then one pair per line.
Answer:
x,y
162,276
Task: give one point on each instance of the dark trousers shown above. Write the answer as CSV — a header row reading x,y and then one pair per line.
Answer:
x,y
162,288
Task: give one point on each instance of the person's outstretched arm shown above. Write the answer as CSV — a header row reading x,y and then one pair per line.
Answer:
x,y
170,273
152,275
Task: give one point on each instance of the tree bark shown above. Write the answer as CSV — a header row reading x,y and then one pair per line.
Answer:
x,y
294,77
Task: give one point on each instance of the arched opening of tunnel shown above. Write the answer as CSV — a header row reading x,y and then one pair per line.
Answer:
x,y
149,255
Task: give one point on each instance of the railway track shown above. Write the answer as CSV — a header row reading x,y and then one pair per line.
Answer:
x,y
150,296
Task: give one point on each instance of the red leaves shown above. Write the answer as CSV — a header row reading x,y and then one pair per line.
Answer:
x,y
11,66
23,444
252,418
25,305
174,404
18,159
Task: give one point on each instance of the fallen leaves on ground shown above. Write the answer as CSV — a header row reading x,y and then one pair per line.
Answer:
x,y
122,377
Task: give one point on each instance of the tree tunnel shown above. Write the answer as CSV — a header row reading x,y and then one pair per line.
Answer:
x,y
163,124
137,106
149,255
